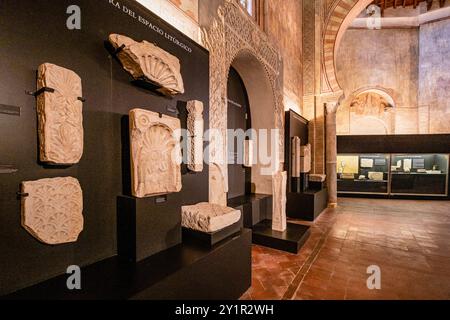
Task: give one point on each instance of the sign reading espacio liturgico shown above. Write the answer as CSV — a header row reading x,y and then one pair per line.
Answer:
x,y
148,24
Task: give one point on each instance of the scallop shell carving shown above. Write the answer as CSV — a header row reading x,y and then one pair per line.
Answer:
x,y
145,61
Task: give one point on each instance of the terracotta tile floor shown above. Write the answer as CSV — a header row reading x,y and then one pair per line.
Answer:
x,y
408,240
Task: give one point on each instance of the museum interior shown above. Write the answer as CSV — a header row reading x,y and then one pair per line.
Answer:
x,y
225,150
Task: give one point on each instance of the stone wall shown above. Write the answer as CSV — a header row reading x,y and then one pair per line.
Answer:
x,y
190,7
434,77
284,27
385,60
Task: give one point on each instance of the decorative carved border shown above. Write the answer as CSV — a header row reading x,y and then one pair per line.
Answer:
x,y
231,32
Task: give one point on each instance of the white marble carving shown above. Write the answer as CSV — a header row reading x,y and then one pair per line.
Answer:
x,y
296,157
155,153
195,126
248,153
208,217
60,115
145,61
279,181
305,158
53,210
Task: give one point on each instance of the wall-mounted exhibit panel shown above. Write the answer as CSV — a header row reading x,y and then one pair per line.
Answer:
x,y
38,32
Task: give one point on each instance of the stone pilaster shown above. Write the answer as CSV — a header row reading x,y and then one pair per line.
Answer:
x,y
331,153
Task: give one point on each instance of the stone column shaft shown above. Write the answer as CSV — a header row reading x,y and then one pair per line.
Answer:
x,y
331,154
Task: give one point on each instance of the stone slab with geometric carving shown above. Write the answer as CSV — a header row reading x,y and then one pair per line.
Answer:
x,y
145,61
155,153
60,118
208,217
296,157
52,210
195,126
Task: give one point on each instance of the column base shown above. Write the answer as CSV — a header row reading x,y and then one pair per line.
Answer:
x,y
332,205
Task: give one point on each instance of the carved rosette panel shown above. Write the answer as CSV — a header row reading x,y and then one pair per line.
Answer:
x,y
296,157
53,210
155,153
306,158
145,61
195,126
231,32
60,117
279,182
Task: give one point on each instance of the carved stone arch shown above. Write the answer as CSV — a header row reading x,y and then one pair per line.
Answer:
x,y
341,14
231,33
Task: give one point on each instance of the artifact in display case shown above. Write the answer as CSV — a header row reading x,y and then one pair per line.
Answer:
x,y
364,173
195,128
52,209
60,118
208,217
420,174
149,63
155,153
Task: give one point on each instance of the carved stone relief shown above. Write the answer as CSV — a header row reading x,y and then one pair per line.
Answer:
x,y
52,212
208,217
195,128
155,153
231,32
145,61
279,181
60,118
217,181
296,157
306,158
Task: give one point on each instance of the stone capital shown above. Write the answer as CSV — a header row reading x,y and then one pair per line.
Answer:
x,y
331,107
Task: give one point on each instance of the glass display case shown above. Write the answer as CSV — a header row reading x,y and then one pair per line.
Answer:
x,y
393,174
419,174
363,173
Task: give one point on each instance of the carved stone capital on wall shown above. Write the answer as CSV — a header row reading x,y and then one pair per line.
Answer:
x,y
52,212
331,107
145,61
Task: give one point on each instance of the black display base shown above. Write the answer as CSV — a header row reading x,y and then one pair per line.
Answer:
x,y
306,206
254,208
183,272
290,240
211,238
146,227
316,186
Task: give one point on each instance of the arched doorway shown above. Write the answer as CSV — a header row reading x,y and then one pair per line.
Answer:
x,y
238,120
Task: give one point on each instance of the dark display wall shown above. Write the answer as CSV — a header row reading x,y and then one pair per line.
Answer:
x,y
295,126
35,32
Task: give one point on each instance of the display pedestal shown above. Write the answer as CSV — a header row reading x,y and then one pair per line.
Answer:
x,y
290,240
183,272
307,205
145,227
254,208
209,239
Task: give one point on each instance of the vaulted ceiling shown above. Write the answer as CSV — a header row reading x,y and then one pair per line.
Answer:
x,y
404,3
